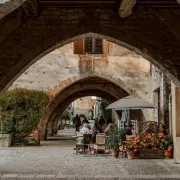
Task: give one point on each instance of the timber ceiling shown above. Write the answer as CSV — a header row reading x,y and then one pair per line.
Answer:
x,y
106,3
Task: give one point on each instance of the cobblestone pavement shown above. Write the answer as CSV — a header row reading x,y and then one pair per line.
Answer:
x,y
57,161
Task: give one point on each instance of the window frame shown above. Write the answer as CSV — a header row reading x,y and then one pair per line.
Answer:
x,y
93,48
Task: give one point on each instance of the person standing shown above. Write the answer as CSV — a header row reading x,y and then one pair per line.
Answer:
x,y
101,121
77,122
101,124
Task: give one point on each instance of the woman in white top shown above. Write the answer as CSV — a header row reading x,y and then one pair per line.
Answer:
x,y
85,129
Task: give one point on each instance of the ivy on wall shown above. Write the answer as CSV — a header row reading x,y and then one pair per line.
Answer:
x,y
167,92
20,111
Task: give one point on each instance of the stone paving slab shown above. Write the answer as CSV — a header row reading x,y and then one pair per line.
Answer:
x,y
9,175
29,176
40,177
57,162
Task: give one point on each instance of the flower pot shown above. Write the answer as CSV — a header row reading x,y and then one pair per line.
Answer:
x,y
115,153
131,154
168,154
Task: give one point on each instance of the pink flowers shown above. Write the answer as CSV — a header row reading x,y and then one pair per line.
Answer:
x,y
161,135
150,141
169,148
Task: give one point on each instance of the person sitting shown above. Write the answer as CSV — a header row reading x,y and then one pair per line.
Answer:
x,y
94,131
108,128
85,129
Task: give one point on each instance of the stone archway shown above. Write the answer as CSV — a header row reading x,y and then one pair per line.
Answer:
x,y
115,80
55,27
52,123
84,87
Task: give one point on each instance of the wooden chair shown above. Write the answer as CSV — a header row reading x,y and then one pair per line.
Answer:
x,y
83,142
100,143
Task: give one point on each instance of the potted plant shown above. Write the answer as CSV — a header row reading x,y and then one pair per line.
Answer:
x,y
167,146
131,147
114,139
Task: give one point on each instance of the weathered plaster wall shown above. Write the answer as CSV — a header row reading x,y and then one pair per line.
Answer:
x,y
61,64
83,106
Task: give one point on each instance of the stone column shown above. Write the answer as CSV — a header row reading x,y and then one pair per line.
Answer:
x,y
176,120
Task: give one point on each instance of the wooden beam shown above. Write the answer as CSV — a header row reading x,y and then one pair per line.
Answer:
x,y
9,23
31,8
77,3
126,7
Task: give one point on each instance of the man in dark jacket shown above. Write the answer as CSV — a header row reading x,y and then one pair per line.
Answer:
x,y
77,122
101,121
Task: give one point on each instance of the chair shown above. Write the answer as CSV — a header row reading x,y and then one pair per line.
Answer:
x,y
86,141
83,142
79,141
100,143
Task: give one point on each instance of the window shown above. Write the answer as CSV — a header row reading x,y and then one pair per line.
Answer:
x,y
93,45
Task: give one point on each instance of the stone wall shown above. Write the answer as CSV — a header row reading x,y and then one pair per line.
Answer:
x,y
51,71
83,106
54,27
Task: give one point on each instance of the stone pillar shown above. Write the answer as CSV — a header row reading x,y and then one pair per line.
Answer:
x,y
176,120
55,126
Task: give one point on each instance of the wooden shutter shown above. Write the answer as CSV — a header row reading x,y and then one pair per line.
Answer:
x,y
79,46
99,46
88,45
105,47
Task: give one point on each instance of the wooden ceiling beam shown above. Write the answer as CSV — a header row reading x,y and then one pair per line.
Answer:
x,y
31,8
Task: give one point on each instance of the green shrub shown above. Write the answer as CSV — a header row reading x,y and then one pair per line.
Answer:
x,y
30,142
21,109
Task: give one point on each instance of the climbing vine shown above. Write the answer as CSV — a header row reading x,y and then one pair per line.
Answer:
x,y
21,109
103,105
167,92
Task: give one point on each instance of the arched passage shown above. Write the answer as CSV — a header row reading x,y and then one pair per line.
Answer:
x,y
52,123
85,87
88,75
55,27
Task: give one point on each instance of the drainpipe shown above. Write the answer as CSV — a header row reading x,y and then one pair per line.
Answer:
x,y
170,114
162,99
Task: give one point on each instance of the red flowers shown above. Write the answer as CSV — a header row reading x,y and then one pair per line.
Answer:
x,y
149,141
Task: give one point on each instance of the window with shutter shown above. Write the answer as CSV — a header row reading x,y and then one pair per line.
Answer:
x,y
79,46
93,45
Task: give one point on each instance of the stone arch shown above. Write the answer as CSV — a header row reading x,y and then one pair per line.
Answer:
x,y
69,81
90,86
51,126
36,37
82,116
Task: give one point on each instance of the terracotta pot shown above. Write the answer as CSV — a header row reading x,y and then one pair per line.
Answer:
x,y
168,154
115,153
131,154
